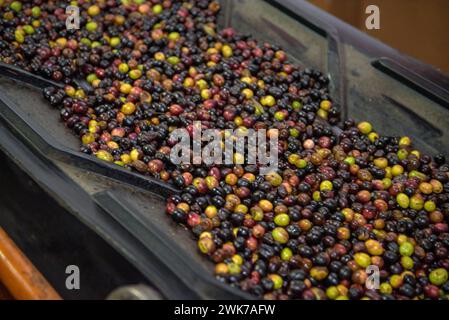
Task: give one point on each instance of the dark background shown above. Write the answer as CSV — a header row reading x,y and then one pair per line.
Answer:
x,y
419,28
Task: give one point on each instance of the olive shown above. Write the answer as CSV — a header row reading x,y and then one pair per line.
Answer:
x,y
337,202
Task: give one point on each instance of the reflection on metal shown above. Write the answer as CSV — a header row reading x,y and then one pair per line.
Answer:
x,y
134,292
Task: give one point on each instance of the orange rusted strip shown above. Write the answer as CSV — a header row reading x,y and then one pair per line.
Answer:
x,y
19,275
4,293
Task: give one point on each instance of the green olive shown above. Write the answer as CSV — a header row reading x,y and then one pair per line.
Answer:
x,y
365,127
280,235
16,6
403,200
